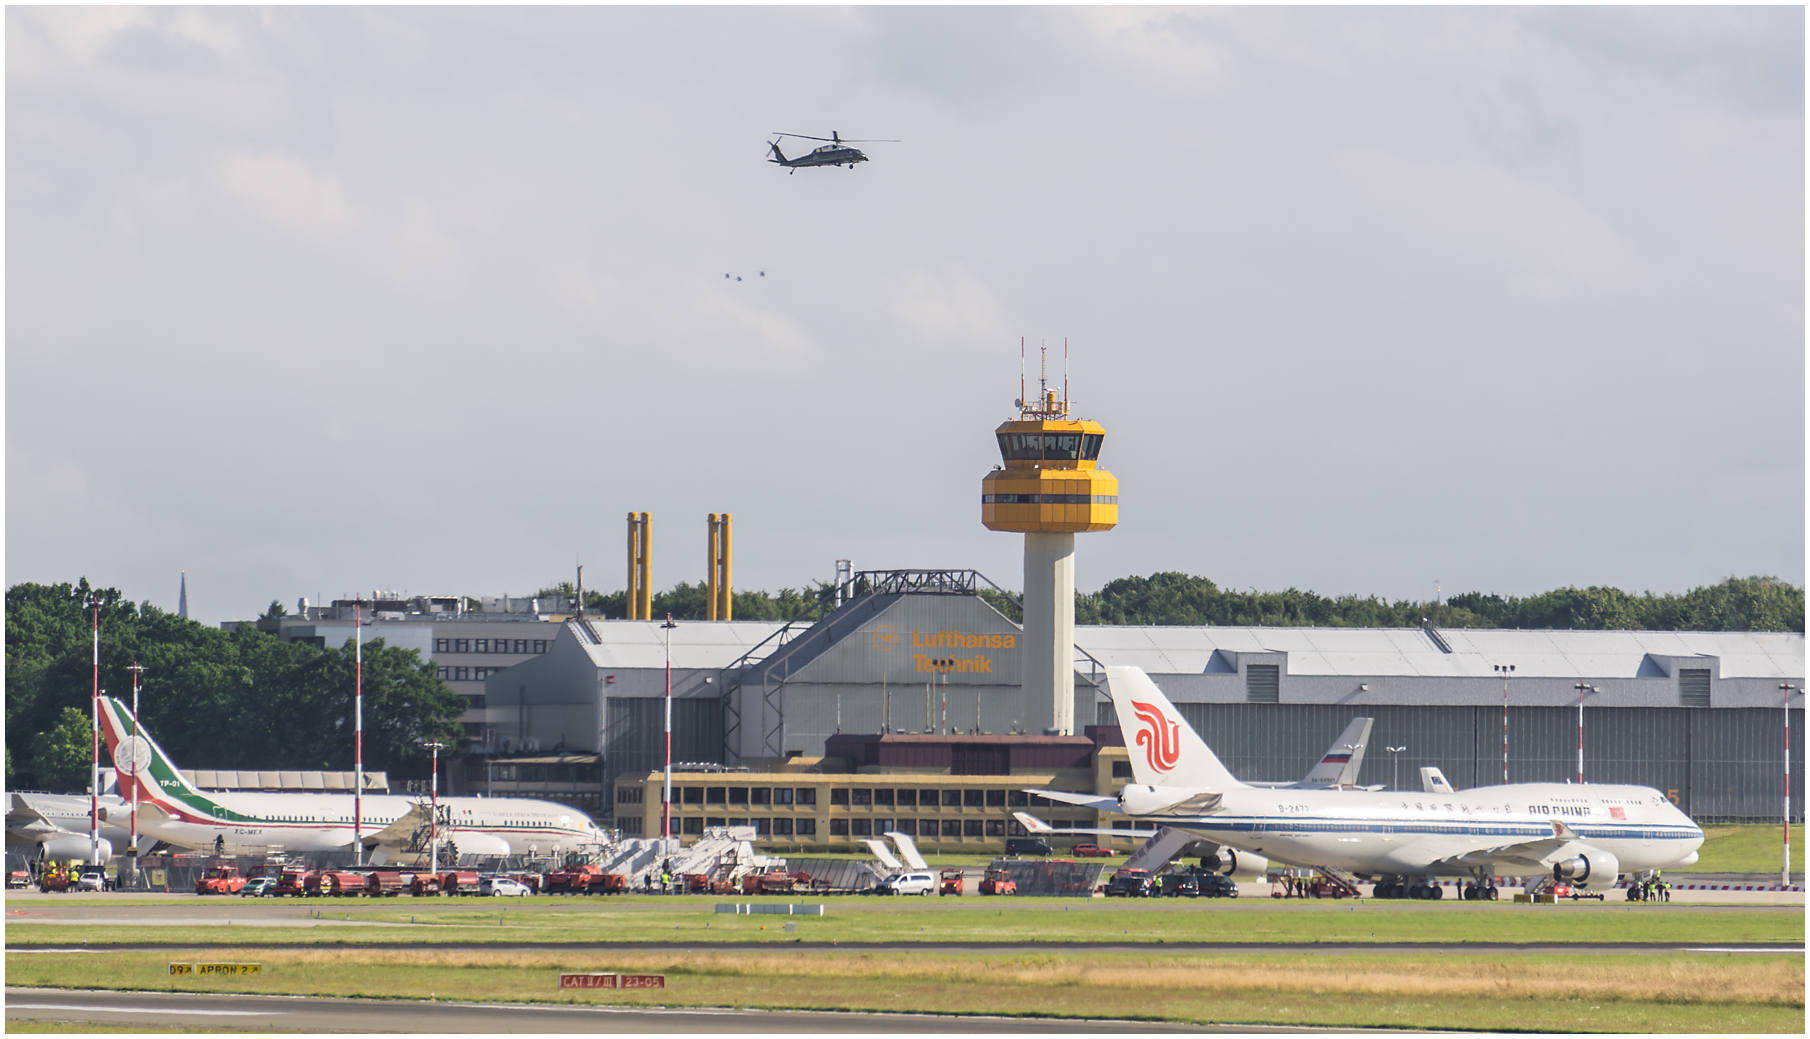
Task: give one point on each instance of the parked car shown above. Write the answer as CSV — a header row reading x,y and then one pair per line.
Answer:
x,y
258,887
502,887
92,881
1180,885
1130,883
1028,846
1218,885
907,884
1090,851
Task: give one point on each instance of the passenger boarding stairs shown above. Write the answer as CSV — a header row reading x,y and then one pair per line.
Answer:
x,y
728,851
635,856
1161,849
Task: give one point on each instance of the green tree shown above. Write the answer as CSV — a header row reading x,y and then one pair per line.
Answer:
x,y
62,756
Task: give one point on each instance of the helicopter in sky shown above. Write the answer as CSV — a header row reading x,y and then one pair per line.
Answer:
x,y
834,153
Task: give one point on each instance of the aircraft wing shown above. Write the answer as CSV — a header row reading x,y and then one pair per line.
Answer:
x,y
24,820
1526,854
402,831
1094,801
1037,826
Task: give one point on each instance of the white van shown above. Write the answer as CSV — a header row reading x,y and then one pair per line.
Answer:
x,y
908,884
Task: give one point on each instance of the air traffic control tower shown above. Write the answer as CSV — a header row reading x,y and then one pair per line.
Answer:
x,y
1050,489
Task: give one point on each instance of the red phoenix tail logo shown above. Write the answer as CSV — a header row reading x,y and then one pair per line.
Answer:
x,y
1160,737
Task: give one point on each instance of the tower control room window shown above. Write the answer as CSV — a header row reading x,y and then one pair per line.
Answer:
x,y
1090,446
1062,445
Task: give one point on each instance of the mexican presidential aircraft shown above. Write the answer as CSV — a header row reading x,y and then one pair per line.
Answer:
x,y
1583,835
172,810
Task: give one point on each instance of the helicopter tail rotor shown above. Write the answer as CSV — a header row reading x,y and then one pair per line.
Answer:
x,y
779,156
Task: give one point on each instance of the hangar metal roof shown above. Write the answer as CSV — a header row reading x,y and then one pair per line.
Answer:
x,y
695,644
1362,652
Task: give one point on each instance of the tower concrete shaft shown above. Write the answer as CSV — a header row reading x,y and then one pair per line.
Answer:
x,y
1049,632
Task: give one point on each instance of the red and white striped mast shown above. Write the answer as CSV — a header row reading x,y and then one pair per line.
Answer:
x,y
1785,874
666,792
358,732
1504,670
94,779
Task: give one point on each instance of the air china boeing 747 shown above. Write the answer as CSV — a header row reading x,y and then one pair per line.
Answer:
x,y
171,809
1585,835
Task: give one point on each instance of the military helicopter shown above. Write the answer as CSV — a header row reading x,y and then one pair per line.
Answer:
x,y
834,153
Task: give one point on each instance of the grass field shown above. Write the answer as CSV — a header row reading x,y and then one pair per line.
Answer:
x,y
639,918
1747,849
1676,993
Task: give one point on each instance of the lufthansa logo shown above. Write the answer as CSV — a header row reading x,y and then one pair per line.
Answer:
x,y
885,638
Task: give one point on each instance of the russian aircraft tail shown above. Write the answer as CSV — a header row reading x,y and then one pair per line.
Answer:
x,y
1164,750
1338,770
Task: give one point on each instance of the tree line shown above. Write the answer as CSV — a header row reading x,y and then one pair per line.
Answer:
x,y
1170,598
214,699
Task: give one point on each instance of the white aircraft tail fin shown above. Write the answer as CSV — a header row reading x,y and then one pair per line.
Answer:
x,y
1339,768
908,850
127,741
883,853
1433,781
1164,750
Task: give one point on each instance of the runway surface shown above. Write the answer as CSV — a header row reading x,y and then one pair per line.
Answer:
x,y
999,948
308,1014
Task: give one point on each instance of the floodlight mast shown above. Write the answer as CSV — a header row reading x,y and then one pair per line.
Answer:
x,y
666,790
358,732
137,670
1785,873
94,780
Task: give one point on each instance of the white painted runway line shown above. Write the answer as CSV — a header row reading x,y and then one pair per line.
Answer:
x,y
93,1009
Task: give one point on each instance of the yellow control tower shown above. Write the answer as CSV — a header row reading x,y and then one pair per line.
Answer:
x,y
1050,488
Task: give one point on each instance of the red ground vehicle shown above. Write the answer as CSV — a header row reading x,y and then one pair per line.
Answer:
x,y
773,883
459,882
1090,851
423,884
534,882
950,882
219,880
574,880
998,882
333,883
386,883
18,878
607,884
54,880
291,882
697,883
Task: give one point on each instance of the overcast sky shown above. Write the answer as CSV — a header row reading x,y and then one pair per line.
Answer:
x,y
312,300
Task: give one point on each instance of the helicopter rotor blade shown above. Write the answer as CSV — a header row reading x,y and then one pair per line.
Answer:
x,y
839,139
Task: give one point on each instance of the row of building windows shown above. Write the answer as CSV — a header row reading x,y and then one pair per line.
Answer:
x,y
858,797
517,773
490,645
782,826
466,674
1049,499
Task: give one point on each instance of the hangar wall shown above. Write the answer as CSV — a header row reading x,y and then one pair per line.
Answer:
x,y
1723,765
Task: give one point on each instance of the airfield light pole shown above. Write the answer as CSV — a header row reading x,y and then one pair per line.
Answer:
x,y
138,671
1582,688
666,790
433,833
1395,753
1504,670
95,768
358,732
1785,873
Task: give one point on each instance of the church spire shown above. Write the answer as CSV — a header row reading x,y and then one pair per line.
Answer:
x,y
182,603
